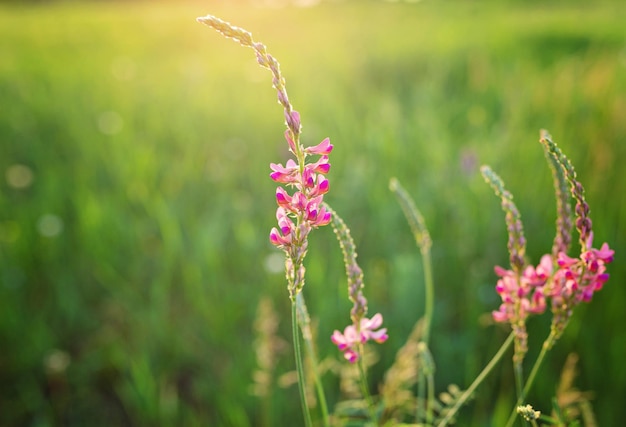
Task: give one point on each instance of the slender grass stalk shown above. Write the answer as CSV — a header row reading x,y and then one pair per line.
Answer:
x,y
307,337
424,242
299,365
518,370
420,413
429,303
479,379
549,420
547,345
430,379
365,388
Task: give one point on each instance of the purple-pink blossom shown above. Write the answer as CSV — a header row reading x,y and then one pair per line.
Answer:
x,y
522,294
353,337
576,280
566,282
300,199
304,206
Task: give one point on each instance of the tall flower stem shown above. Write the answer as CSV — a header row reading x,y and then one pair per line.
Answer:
x,y
429,292
307,337
424,242
299,365
547,345
519,378
479,379
365,388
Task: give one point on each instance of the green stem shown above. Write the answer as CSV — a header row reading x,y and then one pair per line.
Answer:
x,y
519,379
548,419
365,388
305,327
429,304
429,292
421,402
431,398
479,379
547,345
299,365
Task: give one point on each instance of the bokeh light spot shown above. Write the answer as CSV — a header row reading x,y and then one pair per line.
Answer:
x,y
275,263
110,123
50,225
19,176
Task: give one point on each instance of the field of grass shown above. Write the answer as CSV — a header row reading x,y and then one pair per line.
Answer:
x,y
135,202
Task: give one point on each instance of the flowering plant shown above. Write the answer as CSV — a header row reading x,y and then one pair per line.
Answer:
x,y
559,281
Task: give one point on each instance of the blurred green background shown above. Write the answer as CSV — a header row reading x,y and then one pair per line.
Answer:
x,y
135,202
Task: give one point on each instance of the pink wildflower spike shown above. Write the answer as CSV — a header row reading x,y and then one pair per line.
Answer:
x,y
295,173
324,148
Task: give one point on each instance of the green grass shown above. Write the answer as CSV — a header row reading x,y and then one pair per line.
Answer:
x,y
149,136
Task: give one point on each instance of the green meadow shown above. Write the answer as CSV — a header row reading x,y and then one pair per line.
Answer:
x,y
136,204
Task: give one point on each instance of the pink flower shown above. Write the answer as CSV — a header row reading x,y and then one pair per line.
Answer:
x,y
351,338
278,239
522,294
300,212
321,166
283,198
368,327
285,175
323,148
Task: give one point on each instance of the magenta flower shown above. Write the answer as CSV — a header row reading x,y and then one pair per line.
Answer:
x,y
352,337
576,280
303,209
323,148
522,295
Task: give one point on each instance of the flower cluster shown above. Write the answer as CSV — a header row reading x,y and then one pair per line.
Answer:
x,y
563,280
298,213
362,329
566,282
306,203
576,280
522,295
355,336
